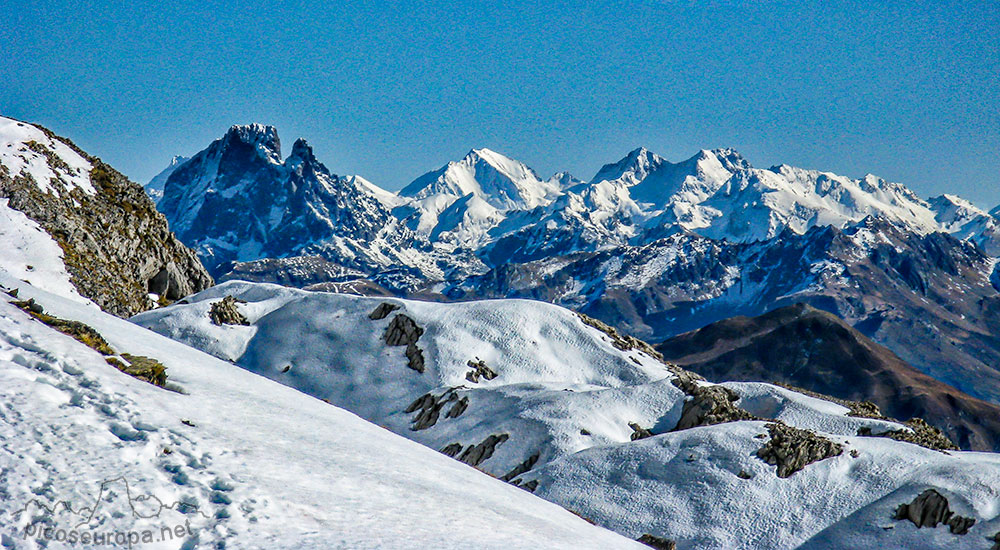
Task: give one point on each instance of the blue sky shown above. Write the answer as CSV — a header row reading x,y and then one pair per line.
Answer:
x,y
390,90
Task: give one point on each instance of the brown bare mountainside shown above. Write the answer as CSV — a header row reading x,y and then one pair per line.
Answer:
x,y
805,347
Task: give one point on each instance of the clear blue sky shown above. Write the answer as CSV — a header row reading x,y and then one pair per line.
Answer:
x,y
392,89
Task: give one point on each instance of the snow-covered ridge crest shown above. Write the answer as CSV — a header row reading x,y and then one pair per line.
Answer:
x,y
26,150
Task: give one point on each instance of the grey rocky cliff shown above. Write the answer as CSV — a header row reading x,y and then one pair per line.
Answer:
x,y
116,247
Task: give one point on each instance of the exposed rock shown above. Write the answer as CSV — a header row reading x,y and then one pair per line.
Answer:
x,y
638,432
142,367
403,331
225,312
382,311
475,455
479,370
708,405
922,434
996,541
116,247
930,509
659,543
529,486
429,408
81,332
792,449
521,468
621,341
415,358
458,408
452,450
743,474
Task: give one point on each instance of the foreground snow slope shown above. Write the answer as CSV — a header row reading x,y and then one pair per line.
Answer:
x,y
556,419
265,465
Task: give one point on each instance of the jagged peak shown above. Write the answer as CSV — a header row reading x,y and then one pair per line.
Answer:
x,y
263,137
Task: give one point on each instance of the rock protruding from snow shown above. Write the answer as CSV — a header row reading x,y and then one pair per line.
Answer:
x,y
707,404
382,311
792,449
403,331
225,312
657,543
930,509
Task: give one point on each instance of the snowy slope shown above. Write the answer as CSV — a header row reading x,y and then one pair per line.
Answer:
x,y
559,410
29,254
23,149
266,466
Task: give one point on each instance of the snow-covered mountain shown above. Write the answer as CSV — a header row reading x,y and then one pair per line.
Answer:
x,y
222,458
155,186
574,412
240,200
97,233
460,202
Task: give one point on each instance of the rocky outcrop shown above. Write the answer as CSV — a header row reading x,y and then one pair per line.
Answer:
x,y
521,468
621,341
659,543
428,408
403,331
83,333
638,432
930,509
479,370
225,312
475,455
382,311
920,433
707,405
792,449
116,247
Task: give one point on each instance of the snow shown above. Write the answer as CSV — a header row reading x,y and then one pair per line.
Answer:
x,y
296,472
29,254
19,159
563,392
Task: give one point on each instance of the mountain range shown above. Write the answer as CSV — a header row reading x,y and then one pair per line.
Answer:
x,y
651,247
845,328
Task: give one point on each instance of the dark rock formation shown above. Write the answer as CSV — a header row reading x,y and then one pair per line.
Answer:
x,y
143,368
479,370
382,311
428,408
707,405
792,449
659,543
475,455
521,468
403,331
116,247
452,449
225,312
930,509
